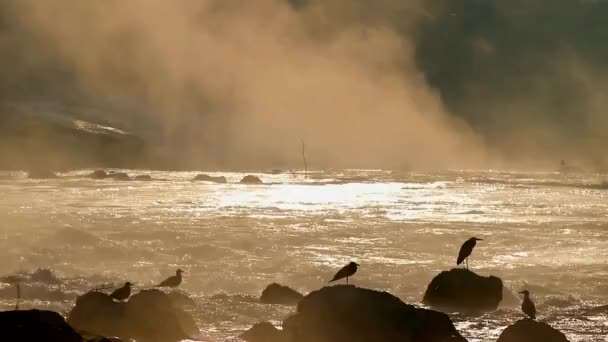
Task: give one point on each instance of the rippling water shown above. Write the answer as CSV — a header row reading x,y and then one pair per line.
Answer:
x,y
545,232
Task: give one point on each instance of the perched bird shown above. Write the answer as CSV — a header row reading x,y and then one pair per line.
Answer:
x,y
346,272
173,281
122,293
465,251
527,306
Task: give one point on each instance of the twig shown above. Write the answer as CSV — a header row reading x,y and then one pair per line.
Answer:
x,y
304,158
18,296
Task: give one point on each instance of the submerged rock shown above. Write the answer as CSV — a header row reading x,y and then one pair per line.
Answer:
x,y
119,176
462,290
249,179
143,178
528,330
35,325
279,294
44,275
98,174
148,315
207,178
348,313
262,332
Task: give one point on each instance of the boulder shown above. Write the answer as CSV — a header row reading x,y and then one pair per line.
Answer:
x,y
528,330
207,178
44,275
262,332
143,178
148,316
98,174
34,326
118,176
348,313
249,179
464,291
278,294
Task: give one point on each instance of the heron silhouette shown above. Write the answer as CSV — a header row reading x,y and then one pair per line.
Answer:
x,y
122,293
528,306
172,281
466,250
346,271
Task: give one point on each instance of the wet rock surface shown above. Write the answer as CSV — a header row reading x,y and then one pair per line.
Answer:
x,y
249,179
279,294
528,330
36,326
149,315
464,291
348,313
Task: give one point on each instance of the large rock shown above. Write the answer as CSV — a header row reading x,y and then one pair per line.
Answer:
x,y
263,332
207,178
279,294
147,316
35,326
348,313
527,330
464,291
251,180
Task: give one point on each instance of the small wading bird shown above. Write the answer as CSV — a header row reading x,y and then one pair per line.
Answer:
x,y
527,306
173,281
122,293
346,272
465,251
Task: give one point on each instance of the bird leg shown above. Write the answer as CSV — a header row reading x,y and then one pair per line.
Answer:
x,y
466,263
346,280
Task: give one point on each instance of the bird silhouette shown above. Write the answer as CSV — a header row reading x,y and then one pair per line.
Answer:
x,y
527,306
465,251
122,293
173,281
346,272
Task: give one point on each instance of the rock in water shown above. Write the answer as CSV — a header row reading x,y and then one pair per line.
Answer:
x,y
207,178
464,291
143,178
278,294
348,313
527,330
98,174
251,180
147,315
35,326
262,332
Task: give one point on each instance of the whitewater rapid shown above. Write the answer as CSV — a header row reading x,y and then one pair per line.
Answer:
x,y
545,232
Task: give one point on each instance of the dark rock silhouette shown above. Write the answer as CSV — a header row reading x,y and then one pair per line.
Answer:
x,y
143,178
148,315
207,178
279,294
249,179
98,174
528,330
105,339
262,332
118,176
35,326
463,290
41,174
44,275
348,313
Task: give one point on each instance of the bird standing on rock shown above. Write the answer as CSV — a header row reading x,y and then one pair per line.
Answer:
x,y
122,293
527,306
346,272
173,281
466,250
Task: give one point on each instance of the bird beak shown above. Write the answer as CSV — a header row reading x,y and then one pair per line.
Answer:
x,y
357,264
479,239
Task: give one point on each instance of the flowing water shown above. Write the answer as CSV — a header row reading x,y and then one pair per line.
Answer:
x,y
544,232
